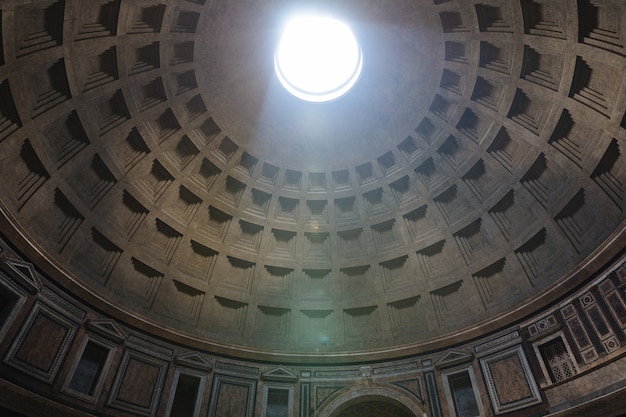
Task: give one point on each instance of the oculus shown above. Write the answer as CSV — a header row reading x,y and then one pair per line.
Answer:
x,y
318,58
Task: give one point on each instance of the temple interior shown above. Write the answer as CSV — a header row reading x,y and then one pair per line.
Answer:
x,y
180,236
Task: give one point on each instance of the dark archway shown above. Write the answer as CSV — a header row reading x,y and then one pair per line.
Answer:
x,y
388,401
373,408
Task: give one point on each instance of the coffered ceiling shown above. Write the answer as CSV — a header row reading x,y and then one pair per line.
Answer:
x,y
153,165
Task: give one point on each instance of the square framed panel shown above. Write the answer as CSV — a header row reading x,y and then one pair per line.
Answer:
x,y
510,382
138,383
42,343
232,396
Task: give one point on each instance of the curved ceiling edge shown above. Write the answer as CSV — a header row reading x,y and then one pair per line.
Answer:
x,y
614,245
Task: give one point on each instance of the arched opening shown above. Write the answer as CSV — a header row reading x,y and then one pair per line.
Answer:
x,y
373,408
372,402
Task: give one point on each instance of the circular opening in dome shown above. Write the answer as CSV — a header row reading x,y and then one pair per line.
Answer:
x,y
318,58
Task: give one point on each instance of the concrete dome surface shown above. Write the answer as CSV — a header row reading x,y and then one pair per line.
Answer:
x,y
151,156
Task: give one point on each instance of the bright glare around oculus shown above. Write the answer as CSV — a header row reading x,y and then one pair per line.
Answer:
x,y
318,58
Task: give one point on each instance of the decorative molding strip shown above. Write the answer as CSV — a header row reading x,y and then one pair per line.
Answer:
x,y
396,369
229,368
502,340
59,303
341,373
149,347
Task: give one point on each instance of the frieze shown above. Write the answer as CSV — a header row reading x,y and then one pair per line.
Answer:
x,y
149,347
347,373
396,369
231,368
55,300
513,336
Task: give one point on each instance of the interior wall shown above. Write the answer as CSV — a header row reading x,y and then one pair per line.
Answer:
x,y
63,355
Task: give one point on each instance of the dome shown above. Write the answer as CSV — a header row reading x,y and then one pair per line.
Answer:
x,y
153,166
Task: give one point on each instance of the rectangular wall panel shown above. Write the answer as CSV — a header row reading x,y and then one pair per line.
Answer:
x,y
42,343
138,383
232,396
509,380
